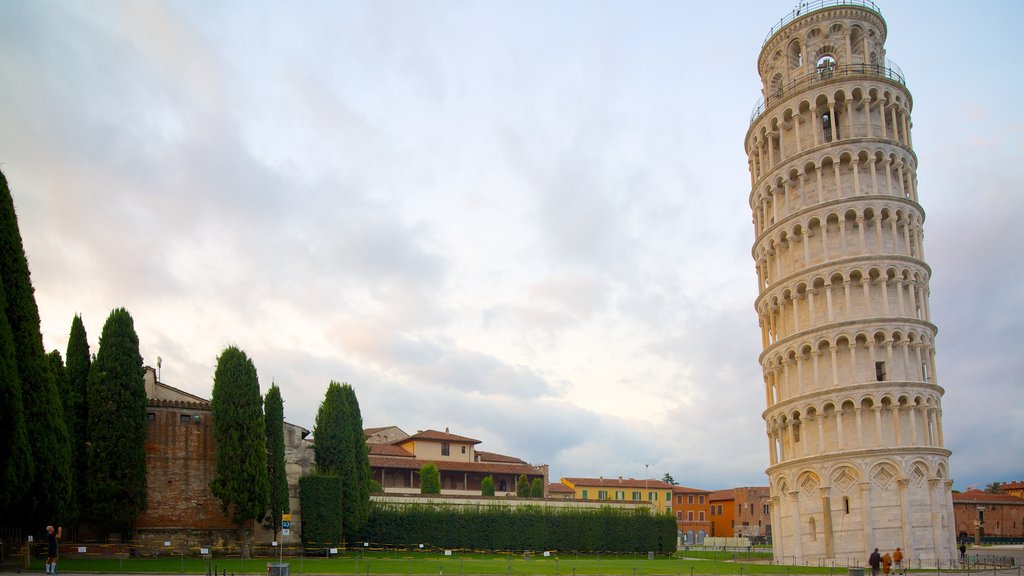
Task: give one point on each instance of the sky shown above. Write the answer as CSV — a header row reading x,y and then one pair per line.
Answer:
x,y
524,221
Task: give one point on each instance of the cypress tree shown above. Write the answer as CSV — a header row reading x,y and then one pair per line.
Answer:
x,y
487,486
76,412
339,448
355,501
60,378
329,437
16,466
273,414
537,488
238,430
116,459
430,479
522,486
49,489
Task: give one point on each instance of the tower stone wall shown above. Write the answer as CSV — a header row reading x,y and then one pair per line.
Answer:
x,y
854,412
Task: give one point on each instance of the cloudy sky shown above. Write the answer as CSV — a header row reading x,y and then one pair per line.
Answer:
x,y
522,220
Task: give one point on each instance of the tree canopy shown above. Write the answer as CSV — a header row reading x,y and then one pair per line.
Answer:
x,y
430,479
339,448
537,488
76,411
522,486
994,488
16,466
273,414
487,486
117,425
241,482
668,479
48,481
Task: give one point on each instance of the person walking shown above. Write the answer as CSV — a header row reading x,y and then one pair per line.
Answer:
x,y
897,559
963,550
886,564
875,561
52,537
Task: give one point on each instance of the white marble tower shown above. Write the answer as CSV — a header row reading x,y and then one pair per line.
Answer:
x,y
854,412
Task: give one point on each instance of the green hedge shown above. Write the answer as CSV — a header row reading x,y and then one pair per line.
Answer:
x,y
320,499
521,528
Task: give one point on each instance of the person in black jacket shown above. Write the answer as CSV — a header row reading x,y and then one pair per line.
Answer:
x,y
875,561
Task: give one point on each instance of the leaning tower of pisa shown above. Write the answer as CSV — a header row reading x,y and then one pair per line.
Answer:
x,y
854,412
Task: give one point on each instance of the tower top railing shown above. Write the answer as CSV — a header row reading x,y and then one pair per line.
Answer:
x,y
804,8
890,71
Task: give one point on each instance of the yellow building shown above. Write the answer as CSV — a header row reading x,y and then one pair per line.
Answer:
x,y
655,492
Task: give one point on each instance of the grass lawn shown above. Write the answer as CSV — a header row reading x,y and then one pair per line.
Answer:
x,y
432,563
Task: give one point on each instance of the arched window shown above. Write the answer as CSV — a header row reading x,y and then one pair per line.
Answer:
x,y
795,55
857,41
826,66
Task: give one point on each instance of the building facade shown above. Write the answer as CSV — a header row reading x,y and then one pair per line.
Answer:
x,y
396,459
752,516
180,463
854,410
980,514
655,492
692,509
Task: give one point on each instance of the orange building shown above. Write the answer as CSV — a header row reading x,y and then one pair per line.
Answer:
x,y
692,509
741,512
722,513
1014,488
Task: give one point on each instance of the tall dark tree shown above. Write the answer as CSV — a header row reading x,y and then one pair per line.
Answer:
x,y
241,480
50,487
16,466
273,416
76,410
60,378
330,438
355,503
116,457
668,479
339,448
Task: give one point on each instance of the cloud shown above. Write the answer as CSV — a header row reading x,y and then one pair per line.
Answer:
x,y
526,222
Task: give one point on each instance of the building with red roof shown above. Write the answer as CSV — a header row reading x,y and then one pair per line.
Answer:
x,y
980,513
396,459
655,492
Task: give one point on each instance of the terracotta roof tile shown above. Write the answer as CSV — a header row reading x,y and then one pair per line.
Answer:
x,y
980,496
727,494
492,457
559,488
389,450
442,436
685,490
